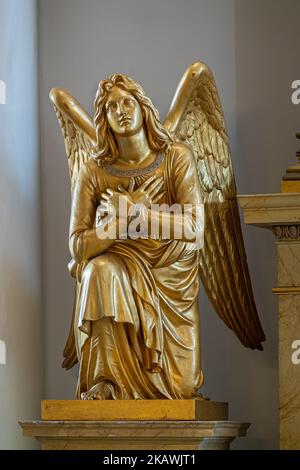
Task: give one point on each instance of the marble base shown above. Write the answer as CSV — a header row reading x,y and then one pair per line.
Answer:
x,y
134,435
289,359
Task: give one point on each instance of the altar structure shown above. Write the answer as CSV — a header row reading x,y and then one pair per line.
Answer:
x,y
280,212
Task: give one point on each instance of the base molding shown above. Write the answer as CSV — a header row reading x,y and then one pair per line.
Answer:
x,y
134,435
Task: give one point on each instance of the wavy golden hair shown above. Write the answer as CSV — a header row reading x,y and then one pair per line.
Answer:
x,y
106,148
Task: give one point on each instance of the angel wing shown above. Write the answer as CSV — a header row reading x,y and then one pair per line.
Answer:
x,y
80,137
77,128
196,118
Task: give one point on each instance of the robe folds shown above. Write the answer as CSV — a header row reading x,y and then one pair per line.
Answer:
x,y
137,325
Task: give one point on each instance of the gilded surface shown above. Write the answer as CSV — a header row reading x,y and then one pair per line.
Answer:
x,y
135,327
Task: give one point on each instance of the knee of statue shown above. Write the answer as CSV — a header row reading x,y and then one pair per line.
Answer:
x,y
102,265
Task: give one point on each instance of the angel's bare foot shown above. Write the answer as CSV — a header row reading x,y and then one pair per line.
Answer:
x,y
100,391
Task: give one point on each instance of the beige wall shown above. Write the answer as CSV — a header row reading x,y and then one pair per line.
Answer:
x,y
20,274
251,48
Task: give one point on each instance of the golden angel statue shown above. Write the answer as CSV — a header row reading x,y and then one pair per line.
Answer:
x,y
135,329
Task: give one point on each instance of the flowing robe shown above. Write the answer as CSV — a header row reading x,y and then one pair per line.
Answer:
x,y
137,325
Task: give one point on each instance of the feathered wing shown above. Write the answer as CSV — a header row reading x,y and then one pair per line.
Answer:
x,y
79,136
77,128
196,118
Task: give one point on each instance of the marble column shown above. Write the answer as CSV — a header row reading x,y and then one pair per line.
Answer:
x,y
281,213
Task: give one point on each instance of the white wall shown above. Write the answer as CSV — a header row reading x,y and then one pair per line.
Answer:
x,y
251,47
20,273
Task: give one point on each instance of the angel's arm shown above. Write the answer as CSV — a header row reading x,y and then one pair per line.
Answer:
x,y
67,105
187,226
183,95
84,243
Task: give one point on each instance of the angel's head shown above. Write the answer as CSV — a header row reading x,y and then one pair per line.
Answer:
x,y
122,108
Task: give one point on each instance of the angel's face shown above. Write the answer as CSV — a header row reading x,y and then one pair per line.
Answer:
x,y
123,112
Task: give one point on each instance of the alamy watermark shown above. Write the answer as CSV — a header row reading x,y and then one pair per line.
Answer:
x,y
2,92
2,352
159,222
295,96
295,358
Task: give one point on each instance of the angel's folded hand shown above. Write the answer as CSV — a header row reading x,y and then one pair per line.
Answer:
x,y
150,192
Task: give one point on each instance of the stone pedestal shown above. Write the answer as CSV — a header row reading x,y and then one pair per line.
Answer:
x,y
281,213
134,435
134,424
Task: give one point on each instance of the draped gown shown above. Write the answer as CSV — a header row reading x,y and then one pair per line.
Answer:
x,y
137,325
